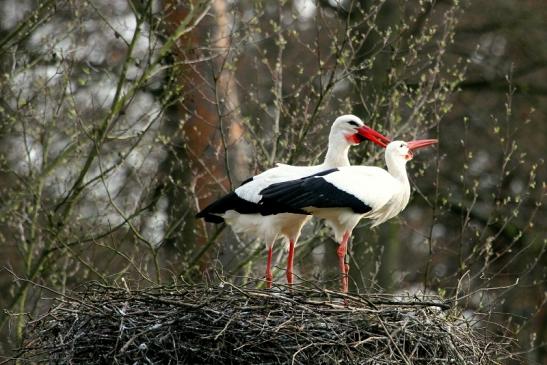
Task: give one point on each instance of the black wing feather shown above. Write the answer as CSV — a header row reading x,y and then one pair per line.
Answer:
x,y
228,202
311,191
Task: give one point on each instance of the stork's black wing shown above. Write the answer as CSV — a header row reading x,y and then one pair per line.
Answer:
x,y
311,191
228,202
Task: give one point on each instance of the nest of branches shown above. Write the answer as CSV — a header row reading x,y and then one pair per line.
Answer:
x,y
227,324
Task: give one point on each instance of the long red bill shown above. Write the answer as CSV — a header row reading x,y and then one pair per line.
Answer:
x,y
421,143
374,136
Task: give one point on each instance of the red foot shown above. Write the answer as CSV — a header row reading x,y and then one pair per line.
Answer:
x,y
344,268
290,262
346,278
269,276
341,251
269,279
289,278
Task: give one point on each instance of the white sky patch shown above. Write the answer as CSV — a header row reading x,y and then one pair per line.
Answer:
x,y
479,163
140,113
341,86
30,81
24,154
42,34
99,94
135,158
53,37
97,46
491,48
94,49
413,213
152,161
305,8
142,47
418,243
338,3
60,180
143,105
438,231
125,26
487,181
112,184
99,214
114,6
12,12
133,72
517,186
154,229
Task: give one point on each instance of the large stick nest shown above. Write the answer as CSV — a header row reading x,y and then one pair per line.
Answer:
x,y
229,324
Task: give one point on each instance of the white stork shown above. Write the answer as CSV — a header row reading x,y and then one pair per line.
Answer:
x,y
240,208
343,196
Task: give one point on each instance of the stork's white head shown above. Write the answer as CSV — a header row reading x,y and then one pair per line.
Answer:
x,y
401,151
350,129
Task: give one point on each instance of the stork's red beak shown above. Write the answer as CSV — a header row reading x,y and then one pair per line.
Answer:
x,y
421,143
372,135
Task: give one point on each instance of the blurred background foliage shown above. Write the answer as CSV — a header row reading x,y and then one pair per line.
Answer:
x,y
120,119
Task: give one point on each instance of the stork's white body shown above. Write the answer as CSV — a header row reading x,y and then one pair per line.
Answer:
x,y
387,194
268,228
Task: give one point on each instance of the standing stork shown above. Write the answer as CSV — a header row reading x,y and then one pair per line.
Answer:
x,y
343,196
240,208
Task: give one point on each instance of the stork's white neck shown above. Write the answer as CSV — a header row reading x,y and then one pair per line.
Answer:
x,y
396,166
337,152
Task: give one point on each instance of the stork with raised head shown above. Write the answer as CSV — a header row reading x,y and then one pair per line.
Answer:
x,y
240,208
343,196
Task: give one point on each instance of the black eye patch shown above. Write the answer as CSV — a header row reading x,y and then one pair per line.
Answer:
x,y
353,123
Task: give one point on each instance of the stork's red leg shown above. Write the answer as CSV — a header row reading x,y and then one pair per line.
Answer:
x,y
268,275
290,262
344,268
